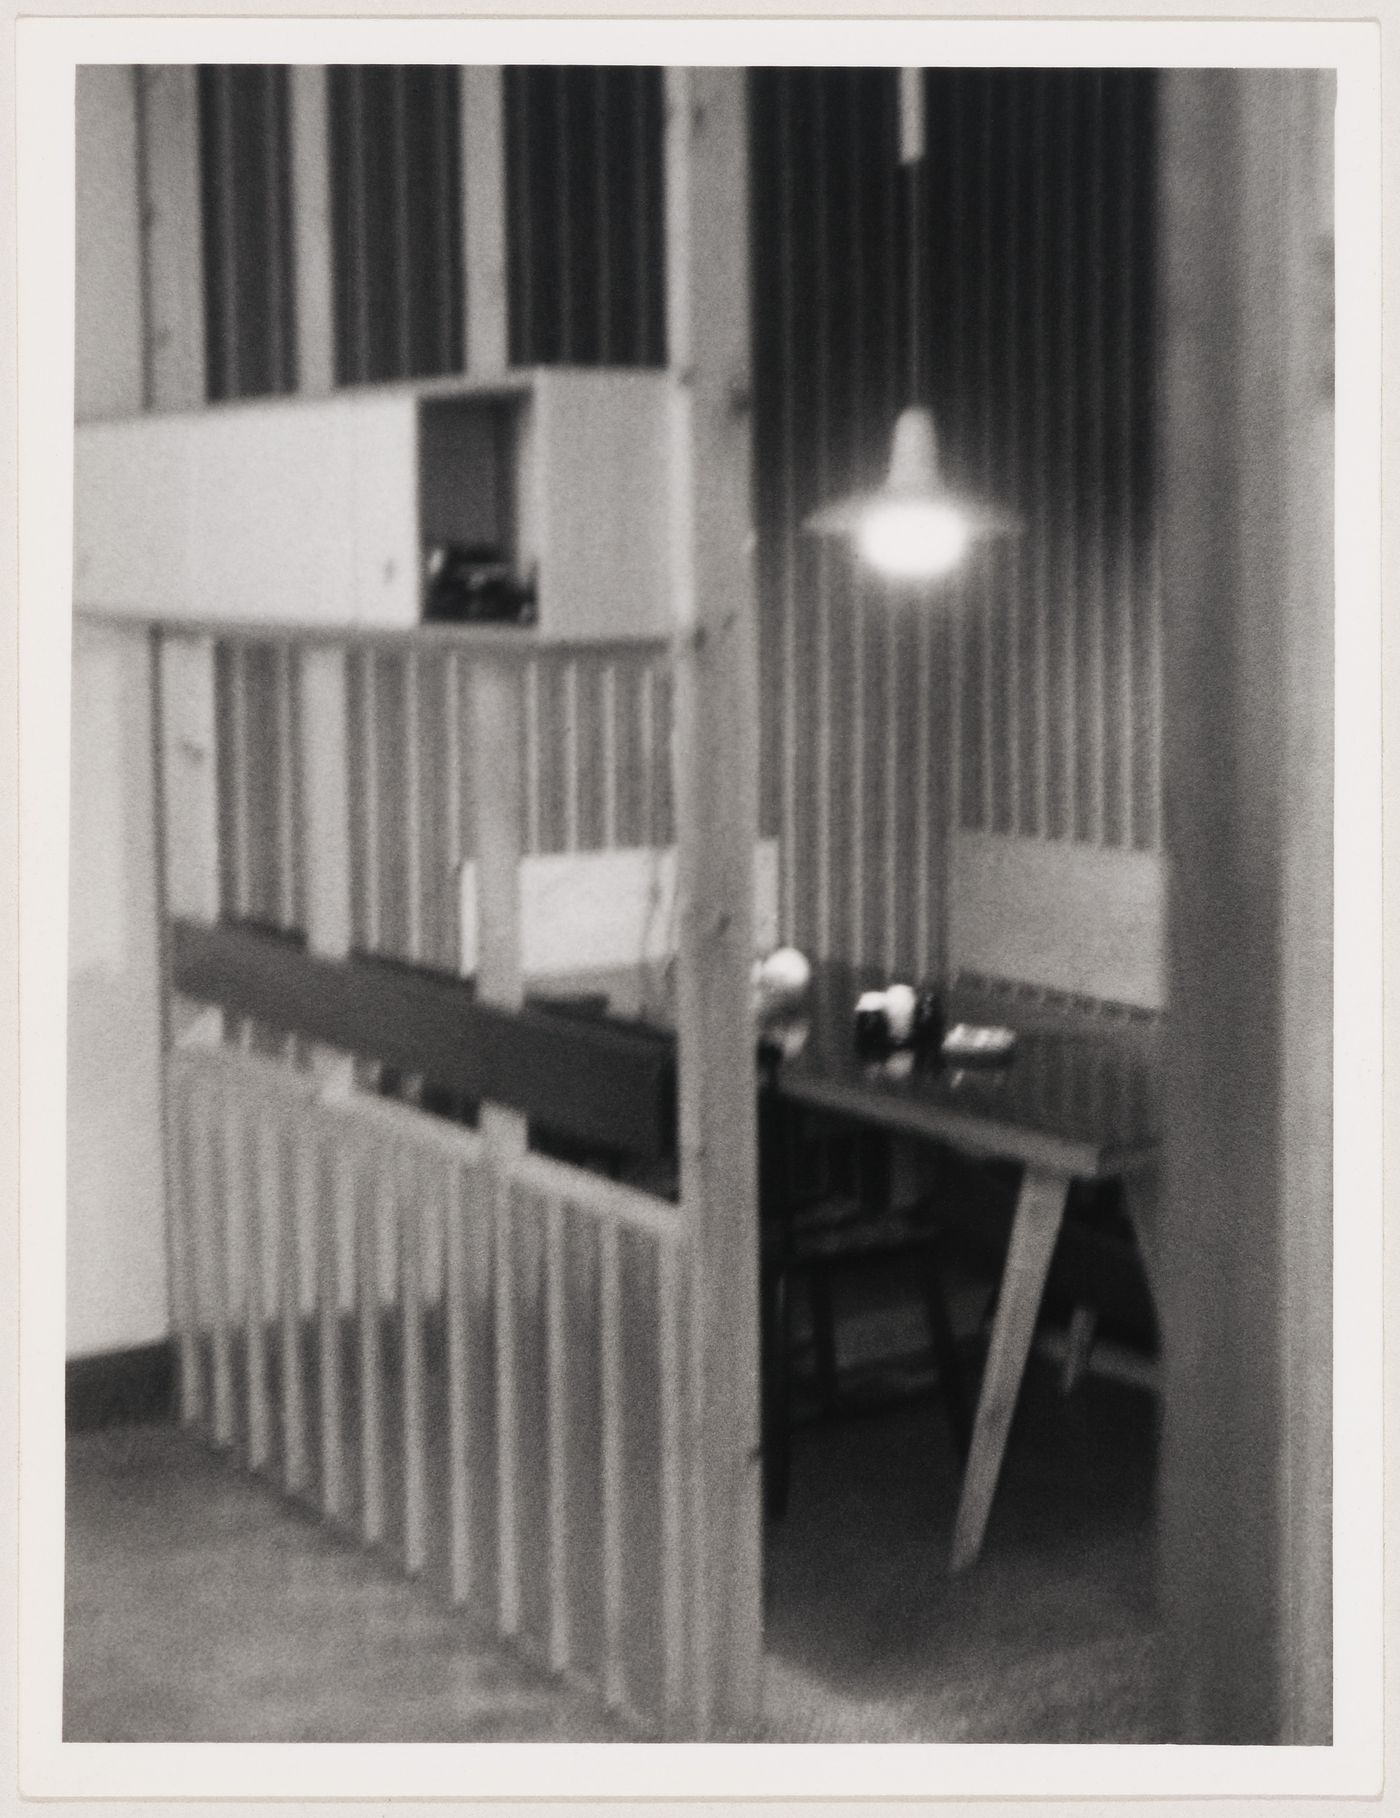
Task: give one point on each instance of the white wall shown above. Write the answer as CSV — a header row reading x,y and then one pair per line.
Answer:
x,y
117,1292
108,371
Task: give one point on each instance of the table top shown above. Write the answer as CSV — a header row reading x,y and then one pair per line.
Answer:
x,y
1078,1096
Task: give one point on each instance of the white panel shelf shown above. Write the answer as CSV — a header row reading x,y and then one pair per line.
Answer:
x,y
319,511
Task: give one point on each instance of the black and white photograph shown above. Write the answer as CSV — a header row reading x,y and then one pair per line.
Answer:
x,y
705,966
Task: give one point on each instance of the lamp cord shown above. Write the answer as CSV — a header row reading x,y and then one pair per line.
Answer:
x,y
918,227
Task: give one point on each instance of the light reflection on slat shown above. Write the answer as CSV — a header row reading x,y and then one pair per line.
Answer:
x,y
295,1470
322,1196
373,1205
254,1301
184,1252
461,1391
214,1221
557,1424
408,1206
610,1321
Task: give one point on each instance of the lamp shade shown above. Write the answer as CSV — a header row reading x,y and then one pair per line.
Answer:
x,y
911,527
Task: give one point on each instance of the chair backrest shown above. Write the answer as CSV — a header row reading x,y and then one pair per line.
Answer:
x,y
604,911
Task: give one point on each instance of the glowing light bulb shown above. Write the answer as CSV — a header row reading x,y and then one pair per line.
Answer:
x,y
913,539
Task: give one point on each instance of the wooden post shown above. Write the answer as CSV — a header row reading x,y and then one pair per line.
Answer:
x,y
325,793
168,154
1244,1242
311,230
496,754
484,225
716,774
109,377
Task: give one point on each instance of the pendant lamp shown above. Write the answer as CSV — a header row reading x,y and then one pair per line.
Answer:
x,y
912,528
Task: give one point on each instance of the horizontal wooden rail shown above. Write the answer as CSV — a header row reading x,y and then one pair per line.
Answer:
x,y
602,1083
519,643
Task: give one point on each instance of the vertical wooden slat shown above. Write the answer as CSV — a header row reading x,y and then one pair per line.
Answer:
x,y
507,1409
859,596
255,1307
285,783
557,1419
564,212
175,1095
324,1195
484,231
459,1392
890,795
822,781
1069,707
236,659
374,1208
990,629
1128,577
533,765
231,379
674,1534
1098,476
373,881
602,209
414,1411
1041,520
959,593
279,336
788,605
168,149
646,713
312,265
611,779
180,1215
1011,456
644,277
413,758
295,1463
573,782
359,364
453,759
216,1224
403,261
610,1322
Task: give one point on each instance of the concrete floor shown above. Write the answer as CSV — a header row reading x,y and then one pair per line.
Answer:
x,y
201,1607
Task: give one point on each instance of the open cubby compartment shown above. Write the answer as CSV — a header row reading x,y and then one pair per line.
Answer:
x,y
321,510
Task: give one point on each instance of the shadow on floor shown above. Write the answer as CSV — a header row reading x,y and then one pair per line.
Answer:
x,y
1051,1637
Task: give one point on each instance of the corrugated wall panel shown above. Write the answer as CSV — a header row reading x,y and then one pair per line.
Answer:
x,y
584,208
245,193
395,151
1033,677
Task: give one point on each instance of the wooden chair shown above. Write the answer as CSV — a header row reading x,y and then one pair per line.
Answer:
x,y
810,1234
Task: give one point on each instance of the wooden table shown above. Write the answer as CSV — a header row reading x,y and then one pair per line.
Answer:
x,y
1077,1102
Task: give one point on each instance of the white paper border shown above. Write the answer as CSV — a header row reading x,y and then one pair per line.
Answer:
x,y
48,50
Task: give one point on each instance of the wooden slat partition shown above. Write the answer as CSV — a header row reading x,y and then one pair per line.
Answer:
x,y
563,1359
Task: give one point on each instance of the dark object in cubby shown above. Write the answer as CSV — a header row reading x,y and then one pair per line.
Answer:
x,y
473,585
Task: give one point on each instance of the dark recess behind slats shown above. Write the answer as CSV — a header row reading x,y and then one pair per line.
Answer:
x,y
1038,364
584,150
396,210
245,182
